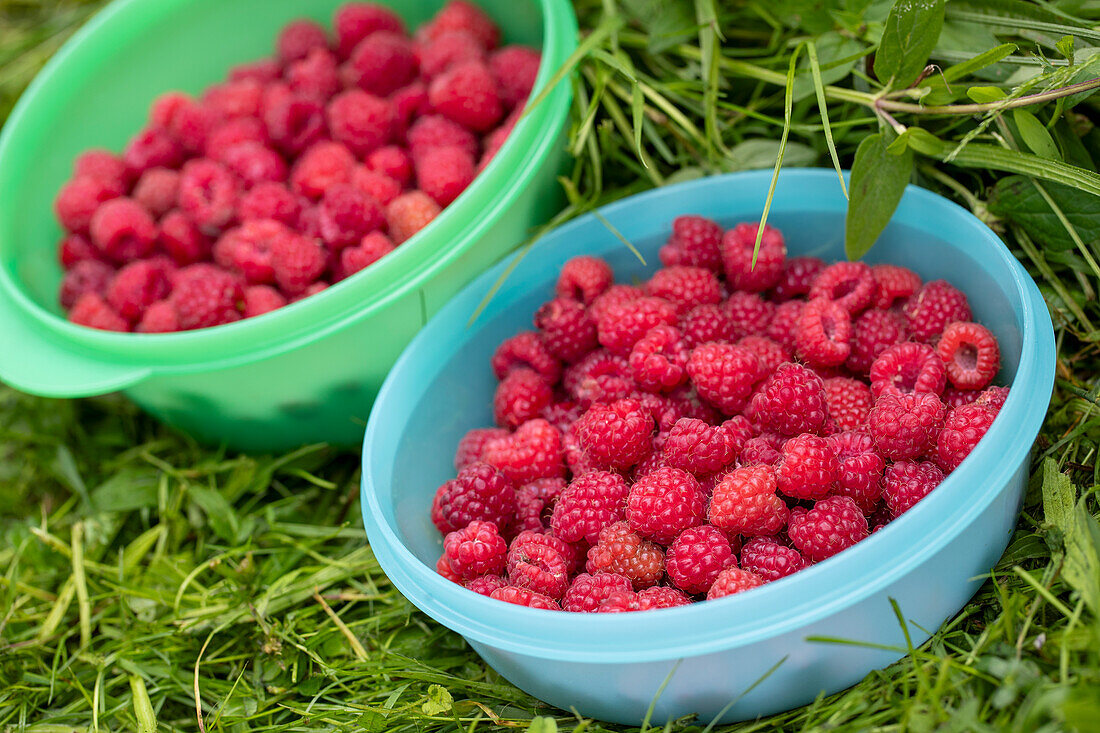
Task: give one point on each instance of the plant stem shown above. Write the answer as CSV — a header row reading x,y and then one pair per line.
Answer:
x,y
970,109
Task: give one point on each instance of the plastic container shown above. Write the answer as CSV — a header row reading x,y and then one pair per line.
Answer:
x,y
307,372
931,560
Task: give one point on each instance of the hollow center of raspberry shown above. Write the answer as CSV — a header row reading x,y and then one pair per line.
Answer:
x,y
844,287
828,325
966,356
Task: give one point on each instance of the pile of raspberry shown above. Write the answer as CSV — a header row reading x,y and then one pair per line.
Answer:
x,y
295,173
715,428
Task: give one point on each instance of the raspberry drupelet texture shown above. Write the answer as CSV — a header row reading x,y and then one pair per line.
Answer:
x,y
696,557
616,435
970,353
738,245
464,16
409,213
908,367
963,428
931,308
706,323
371,248
784,324
514,69
661,597
851,285
993,397
208,194
832,525
763,450
849,402
724,375
138,285
444,172
620,602
467,94
123,230
381,63
584,279
703,449
619,549
599,377
589,590
588,504
204,295
906,482
480,492
685,287
476,549
86,276
744,502
733,580
485,584
792,401
621,325
797,278
524,597
568,332
533,452
769,559
448,49
526,350
894,284
906,426
874,331
538,567
824,333
695,242
535,503
521,396
260,299
749,314
91,310
361,121
859,468
807,468
769,353
658,360
665,502
346,215
354,21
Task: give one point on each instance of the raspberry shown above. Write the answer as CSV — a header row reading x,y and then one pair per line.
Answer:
x,y
247,249
749,313
524,597
792,400
446,50
824,335
769,353
568,333
784,325
434,131
444,568
323,165
361,121
763,450
994,397
229,134
706,323
520,397
849,402
347,215
293,122
204,295
584,278
933,307
599,377
851,285
970,353
660,597
588,504
480,492
409,213
737,256
696,242
314,77
182,239
658,360
207,194
355,21
962,429
477,549
733,580
91,310
410,103
905,426
873,332
459,15
391,161
534,451
371,248
381,63
525,350
191,123
471,449
378,186
808,467
562,415
622,325
724,375
571,554
269,200
86,276
234,99
663,503
588,591
76,248
894,284
704,449
151,148
696,557
156,190
537,567
620,602
444,172
78,200
138,285
615,296
907,482
313,289
514,70
685,287
123,230
101,165
255,163
797,278
485,584
860,469
908,367
953,397
159,317
621,550
260,299
616,435
535,502
467,94
832,525
298,38
770,560
262,71
745,502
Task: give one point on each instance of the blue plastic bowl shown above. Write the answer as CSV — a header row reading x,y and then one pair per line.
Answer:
x,y
931,561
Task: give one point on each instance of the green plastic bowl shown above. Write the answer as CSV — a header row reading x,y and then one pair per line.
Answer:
x,y
307,372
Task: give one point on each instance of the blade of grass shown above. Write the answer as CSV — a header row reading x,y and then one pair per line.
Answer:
x,y
823,106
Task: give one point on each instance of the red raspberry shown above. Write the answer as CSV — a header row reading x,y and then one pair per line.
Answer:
x,y
477,549
808,467
138,285
361,121
260,299
294,123
269,200
537,567
91,310
190,123
970,353
534,451
86,276
247,249
797,278
894,284
314,77
749,313
562,415
485,584
763,450
696,557
933,307
588,591
588,504
411,103
907,482
208,194
568,332
444,568
444,172
151,148
123,230
102,165
744,502
873,332
770,560
572,554
409,213
860,468
685,287
599,377
480,492
347,215
514,70
621,550
663,503
824,335
494,141
851,285
792,400
658,360
434,131
226,136
832,525
156,190
622,325
447,50
520,397
953,397
467,94
297,261
962,429
615,296
371,248
620,602
182,240
724,375
849,402
737,256
459,15
706,323
298,38
784,325
234,99
528,351
262,71
704,449
255,163
689,404
159,317
906,425
616,435
75,248
908,367
993,397
324,164
733,580
661,597
471,448
381,63
524,597
393,162
205,295
535,502
769,353
695,241
355,21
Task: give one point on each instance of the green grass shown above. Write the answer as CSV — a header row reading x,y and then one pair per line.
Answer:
x,y
144,577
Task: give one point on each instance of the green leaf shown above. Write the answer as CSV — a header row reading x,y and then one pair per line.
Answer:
x,y
877,184
1073,150
223,520
439,701
1081,567
1086,70
131,488
759,153
986,95
667,23
1016,15
1017,200
1059,497
1065,47
982,60
1035,134
543,724
911,32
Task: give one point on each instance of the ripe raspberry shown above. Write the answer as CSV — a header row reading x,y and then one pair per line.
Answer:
x,y
706,323
535,503
152,148
255,163
908,367
792,401
873,332
661,597
313,289
588,591
620,602
156,190
933,307
91,310
663,503
970,353
137,285
620,549
324,164
763,450
514,70
227,135
444,568
568,333
459,15
293,122
86,276
381,63
688,403
571,554
434,131
622,325
159,317
860,469
584,279
123,230
355,21
471,448
298,38
797,278
485,584
260,299
696,557
724,375
392,161
993,397
480,492
234,99
894,284
205,295
537,567
102,165
314,77
74,248
615,296
963,428
696,242
447,50
361,121
520,397
467,94
849,402
616,435
371,248
347,215
411,104
769,353
188,121
685,287
297,261
737,256
263,71
784,325
588,504
477,549
444,172
703,449
599,377
824,335
409,213
658,360
749,313
494,141
524,597
953,397
907,482
905,426
534,451
832,525
247,249
525,350
770,559
182,240
733,580
208,194
744,502
851,285
377,185
562,415
808,467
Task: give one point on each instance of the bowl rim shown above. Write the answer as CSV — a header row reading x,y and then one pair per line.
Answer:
x,y
409,267
778,607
